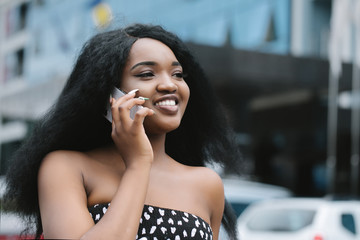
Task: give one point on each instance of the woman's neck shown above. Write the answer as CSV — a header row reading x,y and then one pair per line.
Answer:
x,y
158,145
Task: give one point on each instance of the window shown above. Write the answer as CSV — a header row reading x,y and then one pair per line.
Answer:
x,y
16,19
348,222
238,207
14,65
281,220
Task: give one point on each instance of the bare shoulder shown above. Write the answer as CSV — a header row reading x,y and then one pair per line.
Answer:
x,y
207,183
62,163
64,157
207,178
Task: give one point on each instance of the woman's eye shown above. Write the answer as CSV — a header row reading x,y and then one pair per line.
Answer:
x,y
145,75
179,75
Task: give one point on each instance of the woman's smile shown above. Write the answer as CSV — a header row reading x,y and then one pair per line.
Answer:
x,y
167,104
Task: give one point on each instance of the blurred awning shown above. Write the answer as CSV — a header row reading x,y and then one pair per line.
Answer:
x,y
12,131
30,101
254,73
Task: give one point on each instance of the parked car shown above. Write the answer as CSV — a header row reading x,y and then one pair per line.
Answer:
x,y
240,193
300,219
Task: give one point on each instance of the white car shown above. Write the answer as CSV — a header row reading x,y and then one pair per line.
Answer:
x,y
240,193
300,219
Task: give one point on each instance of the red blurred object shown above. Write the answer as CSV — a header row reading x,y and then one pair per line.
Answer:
x,y
318,237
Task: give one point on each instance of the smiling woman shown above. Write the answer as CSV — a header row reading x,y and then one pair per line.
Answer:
x,y
80,176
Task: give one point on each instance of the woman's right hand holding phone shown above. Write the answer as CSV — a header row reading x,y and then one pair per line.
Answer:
x,y
129,134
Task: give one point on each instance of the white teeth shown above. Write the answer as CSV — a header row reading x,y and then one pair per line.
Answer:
x,y
166,103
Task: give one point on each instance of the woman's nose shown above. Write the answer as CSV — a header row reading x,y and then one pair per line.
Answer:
x,y
166,83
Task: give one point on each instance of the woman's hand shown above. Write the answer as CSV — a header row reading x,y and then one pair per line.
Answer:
x,y
129,134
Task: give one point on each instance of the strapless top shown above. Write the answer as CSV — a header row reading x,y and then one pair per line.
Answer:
x,y
158,223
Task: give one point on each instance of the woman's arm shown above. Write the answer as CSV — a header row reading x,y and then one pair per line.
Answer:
x,y
214,190
62,195
63,201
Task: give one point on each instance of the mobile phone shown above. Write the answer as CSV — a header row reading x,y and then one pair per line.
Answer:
x,y
117,93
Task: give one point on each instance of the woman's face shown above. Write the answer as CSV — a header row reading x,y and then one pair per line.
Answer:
x,y
153,69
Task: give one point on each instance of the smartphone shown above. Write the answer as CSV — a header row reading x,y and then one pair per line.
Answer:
x,y
117,93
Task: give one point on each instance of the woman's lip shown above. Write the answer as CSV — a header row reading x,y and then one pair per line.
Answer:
x,y
167,109
167,97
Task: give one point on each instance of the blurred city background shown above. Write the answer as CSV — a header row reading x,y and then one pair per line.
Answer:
x,y
284,70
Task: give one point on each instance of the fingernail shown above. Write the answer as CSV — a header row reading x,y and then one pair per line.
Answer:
x,y
133,91
143,98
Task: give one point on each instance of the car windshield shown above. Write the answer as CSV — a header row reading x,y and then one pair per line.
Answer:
x,y
282,220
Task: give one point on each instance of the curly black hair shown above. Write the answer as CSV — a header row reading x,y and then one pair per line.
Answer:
x,y
203,136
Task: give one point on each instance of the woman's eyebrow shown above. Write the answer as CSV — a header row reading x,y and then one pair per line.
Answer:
x,y
151,63
146,63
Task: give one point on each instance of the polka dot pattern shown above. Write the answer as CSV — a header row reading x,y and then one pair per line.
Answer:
x,y
158,223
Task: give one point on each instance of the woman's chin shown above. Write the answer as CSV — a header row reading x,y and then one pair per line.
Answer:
x,y
160,128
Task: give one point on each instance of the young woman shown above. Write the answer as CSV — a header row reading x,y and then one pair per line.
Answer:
x,y
142,177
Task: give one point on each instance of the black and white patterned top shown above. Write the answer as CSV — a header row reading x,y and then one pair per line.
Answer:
x,y
158,223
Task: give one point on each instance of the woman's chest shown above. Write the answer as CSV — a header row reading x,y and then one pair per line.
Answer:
x,y
173,192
